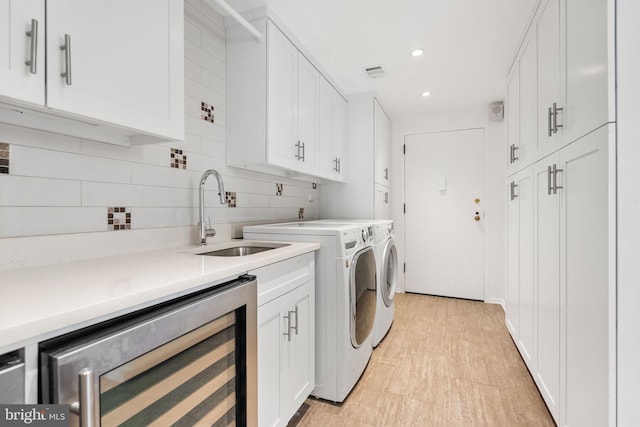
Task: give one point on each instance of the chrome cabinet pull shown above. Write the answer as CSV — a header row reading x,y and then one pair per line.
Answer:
x,y
549,122
85,407
300,147
288,333
303,152
339,166
555,117
386,197
512,153
549,186
555,179
336,161
32,62
512,190
66,47
295,328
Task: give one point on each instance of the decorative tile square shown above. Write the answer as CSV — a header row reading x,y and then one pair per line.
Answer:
x,y
4,157
279,188
207,112
314,185
118,219
301,213
178,159
230,197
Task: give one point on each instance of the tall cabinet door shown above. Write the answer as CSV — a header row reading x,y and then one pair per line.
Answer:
x,y
584,278
119,62
382,144
548,45
547,280
513,115
282,99
17,79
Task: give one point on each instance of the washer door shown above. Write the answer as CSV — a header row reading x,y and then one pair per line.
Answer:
x,y
389,272
362,295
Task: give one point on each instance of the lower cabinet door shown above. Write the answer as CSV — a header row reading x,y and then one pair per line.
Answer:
x,y
297,367
286,354
587,293
270,327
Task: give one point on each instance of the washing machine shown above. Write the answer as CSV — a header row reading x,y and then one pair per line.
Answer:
x,y
387,271
346,295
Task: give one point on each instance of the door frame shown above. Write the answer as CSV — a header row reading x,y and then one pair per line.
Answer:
x,y
485,212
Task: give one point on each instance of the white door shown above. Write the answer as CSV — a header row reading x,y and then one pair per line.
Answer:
x,y
17,79
444,176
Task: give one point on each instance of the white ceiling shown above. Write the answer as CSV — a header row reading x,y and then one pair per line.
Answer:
x,y
469,45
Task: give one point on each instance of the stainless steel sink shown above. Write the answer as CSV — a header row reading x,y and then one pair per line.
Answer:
x,y
243,249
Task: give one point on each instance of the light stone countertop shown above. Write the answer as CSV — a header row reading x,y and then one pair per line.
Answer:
x,y
42,302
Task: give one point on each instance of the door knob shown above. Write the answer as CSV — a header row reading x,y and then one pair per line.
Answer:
x,y
477,217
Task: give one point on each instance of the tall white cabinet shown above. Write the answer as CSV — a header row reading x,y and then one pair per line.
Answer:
x,y
560,188
368,192
112,71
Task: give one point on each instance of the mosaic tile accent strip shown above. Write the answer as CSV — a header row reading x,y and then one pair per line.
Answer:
x,y
301,213
314,185
207,112
118,219
178,159
230,198
279,188
4,157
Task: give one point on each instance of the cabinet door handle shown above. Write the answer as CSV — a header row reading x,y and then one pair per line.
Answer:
x,y
85,406
295,328
32,62
386,197
288,333
550,121
555,179
339,166
549,186
511,154
66,48
514,153
303,152
512,190
386,173
555,117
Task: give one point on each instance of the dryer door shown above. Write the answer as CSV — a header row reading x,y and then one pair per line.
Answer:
x,y
389,272
362,295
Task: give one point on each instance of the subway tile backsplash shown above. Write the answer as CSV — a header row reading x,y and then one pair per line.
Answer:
x,y
53,184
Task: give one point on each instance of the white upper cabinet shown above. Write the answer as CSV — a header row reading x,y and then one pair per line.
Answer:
x,y
118,65
590,67
550,101
22,41
281,111
382,146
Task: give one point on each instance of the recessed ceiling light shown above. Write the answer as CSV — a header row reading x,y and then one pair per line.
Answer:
x,y
425,94
417,52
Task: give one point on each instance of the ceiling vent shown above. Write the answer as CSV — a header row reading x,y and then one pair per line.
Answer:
x,y
375,71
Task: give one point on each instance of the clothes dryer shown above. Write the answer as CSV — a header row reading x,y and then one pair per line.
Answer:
x,y
345,298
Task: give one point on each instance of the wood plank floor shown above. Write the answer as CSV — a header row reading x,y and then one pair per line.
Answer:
x,y
445,362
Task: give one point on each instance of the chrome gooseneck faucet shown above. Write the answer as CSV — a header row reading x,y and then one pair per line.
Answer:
x,y
205,232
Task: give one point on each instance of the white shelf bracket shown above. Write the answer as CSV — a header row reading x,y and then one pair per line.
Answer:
x,y
232,12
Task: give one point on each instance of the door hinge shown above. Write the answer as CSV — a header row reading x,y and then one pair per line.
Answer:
x,y
404,267
404,148
404,208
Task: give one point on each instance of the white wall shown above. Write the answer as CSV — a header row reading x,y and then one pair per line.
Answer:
x,y
58,184
495,208
628,351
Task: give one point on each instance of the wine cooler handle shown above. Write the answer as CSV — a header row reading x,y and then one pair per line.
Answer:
x,y
85,407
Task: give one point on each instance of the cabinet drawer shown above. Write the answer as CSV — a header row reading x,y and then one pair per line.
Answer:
x,y
277,279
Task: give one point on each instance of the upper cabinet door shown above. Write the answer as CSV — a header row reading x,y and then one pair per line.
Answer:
x,y
339,135
282,89
119,62
550,102
526,151
382,136
308,81
590,67
513,115
18,80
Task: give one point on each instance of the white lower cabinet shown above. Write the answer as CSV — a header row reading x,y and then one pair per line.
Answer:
x,y
286,338
560,295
